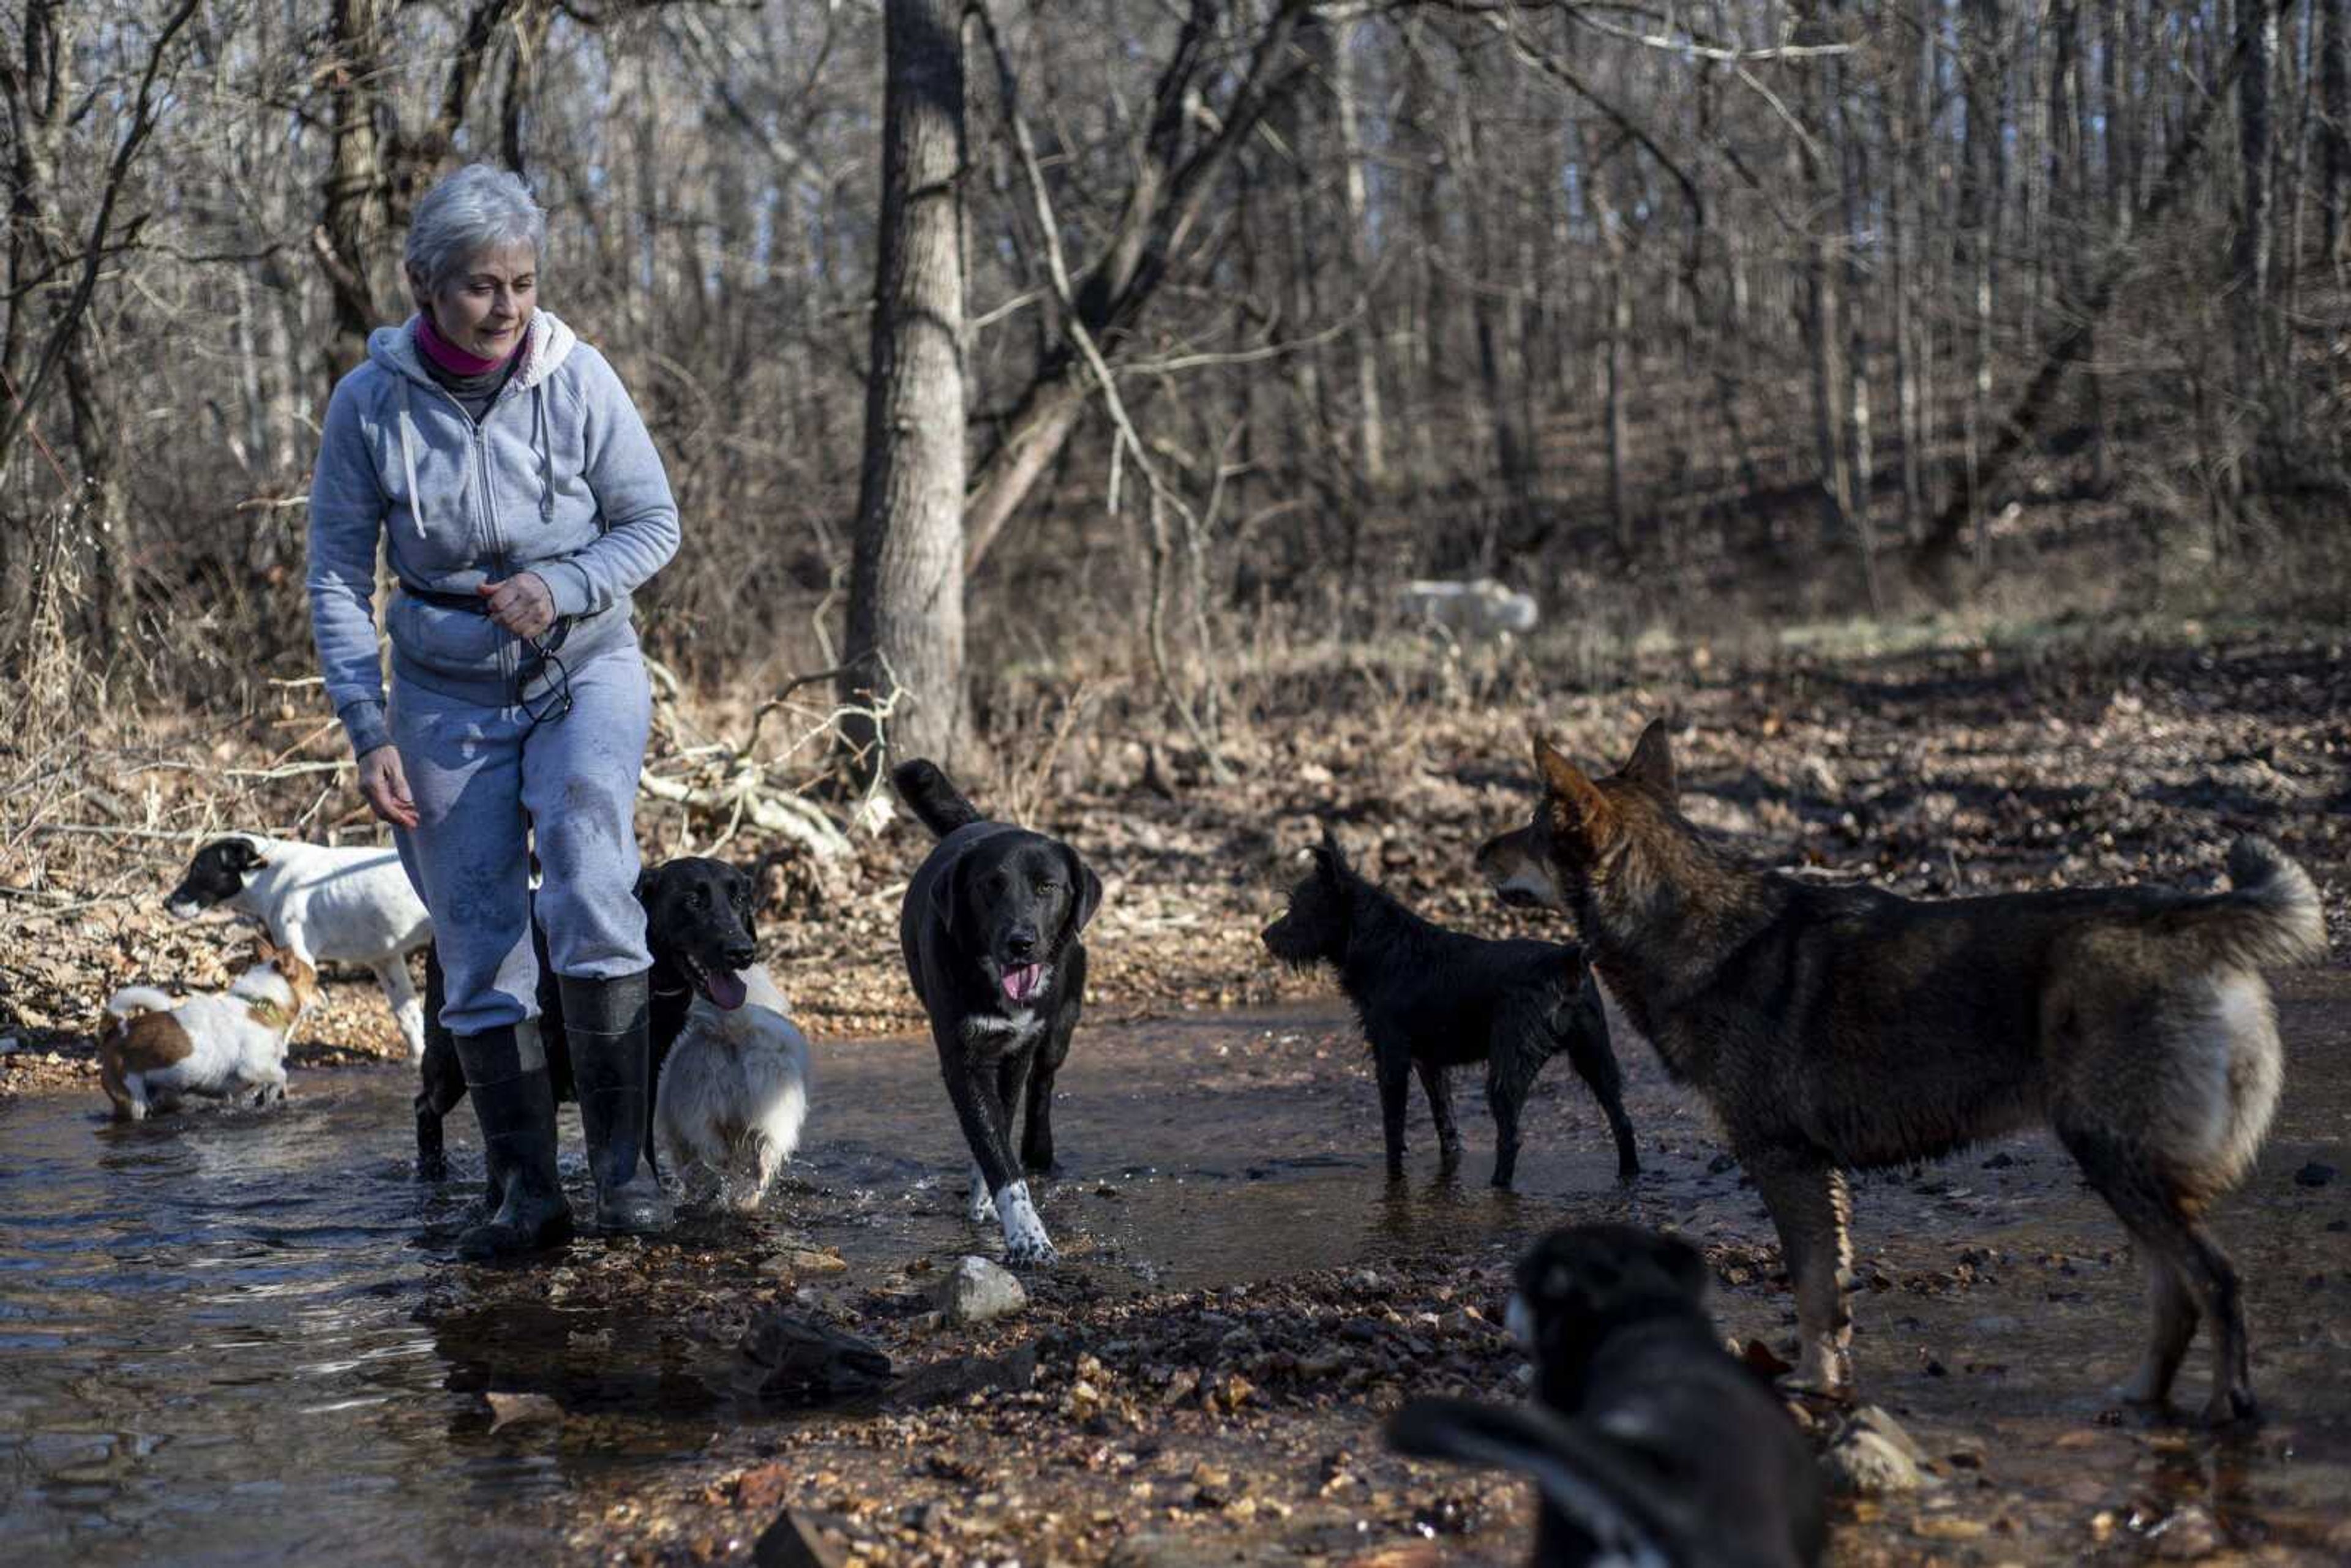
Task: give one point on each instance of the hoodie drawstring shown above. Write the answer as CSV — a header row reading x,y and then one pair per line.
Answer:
x,y
545,452
408,453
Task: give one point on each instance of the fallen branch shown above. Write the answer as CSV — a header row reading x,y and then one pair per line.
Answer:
x,y
745,793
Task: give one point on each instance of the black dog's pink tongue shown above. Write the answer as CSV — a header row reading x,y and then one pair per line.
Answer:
x,y
1021,984
725,988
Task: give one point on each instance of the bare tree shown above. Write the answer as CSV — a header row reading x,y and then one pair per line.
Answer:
x,y
905,595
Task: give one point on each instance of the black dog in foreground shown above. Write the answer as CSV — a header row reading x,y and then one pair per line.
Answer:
x,y
990,930
1432,999
1649,1441
698,929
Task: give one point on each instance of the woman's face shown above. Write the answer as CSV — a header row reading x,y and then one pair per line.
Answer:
x,y
484,309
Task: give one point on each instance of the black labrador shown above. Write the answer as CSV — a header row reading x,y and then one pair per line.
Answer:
x,y
699,930
990,931
1649,1442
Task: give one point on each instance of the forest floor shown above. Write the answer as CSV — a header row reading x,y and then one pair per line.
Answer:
x,y
1170,1403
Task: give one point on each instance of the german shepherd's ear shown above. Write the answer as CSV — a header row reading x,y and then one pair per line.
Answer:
x,y
1577,805
1651,766
1086,892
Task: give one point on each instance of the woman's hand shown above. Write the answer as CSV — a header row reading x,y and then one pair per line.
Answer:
x,y
521,604
384,782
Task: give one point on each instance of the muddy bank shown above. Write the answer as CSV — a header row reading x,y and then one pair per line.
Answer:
x,y
240,1336
2070,754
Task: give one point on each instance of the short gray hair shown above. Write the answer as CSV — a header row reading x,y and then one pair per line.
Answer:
x,y
476,208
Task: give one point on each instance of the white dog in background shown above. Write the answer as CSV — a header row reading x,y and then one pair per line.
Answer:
x,y
323,904
734,1093
152,1051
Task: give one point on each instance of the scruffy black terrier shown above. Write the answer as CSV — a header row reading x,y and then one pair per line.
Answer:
x,y
1431,999
1650,1443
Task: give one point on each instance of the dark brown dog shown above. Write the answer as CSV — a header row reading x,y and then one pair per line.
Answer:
x,y
1833,1028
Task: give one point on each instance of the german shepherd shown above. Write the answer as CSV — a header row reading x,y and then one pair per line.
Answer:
x,y
1836,1027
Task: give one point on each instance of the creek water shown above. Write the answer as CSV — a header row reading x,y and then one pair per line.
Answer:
x,y
235,1336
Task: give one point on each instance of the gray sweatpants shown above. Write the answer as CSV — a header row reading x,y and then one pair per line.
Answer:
x,y
475,772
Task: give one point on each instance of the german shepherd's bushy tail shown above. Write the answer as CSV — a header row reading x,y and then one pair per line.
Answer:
x,y
2270,916
929,795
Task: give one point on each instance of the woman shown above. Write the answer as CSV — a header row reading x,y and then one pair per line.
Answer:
x,y
522,500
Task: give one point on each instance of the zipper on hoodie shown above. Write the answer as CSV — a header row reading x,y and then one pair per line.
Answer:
x,y
509,660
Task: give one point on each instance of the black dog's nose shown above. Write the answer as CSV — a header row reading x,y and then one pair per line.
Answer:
x,y
741,954
1020,944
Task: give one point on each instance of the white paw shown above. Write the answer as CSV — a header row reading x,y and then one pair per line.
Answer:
x,y
978,1208
1025,1241
1823,1367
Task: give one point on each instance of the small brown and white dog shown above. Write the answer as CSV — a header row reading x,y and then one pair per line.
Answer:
x,y
152,1052
734,1092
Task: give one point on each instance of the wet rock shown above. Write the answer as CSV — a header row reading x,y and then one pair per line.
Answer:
x,y
1719,1164
804,1261
2187,1535
795,1360
977,1290
795,1541
947,1382
519,1409
1156,1550
2315,1174
1872,1456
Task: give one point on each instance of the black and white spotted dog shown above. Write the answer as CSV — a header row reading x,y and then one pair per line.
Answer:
x,y
990,929
321,903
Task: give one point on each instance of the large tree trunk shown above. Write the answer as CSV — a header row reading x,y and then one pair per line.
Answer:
x,y
355,216
905,592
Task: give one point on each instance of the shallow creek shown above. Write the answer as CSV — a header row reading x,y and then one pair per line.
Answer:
x,y
237,1337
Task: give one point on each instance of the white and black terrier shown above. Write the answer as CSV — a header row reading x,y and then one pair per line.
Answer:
x,y
1431,1000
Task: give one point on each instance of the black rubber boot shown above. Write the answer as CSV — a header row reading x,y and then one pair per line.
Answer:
x,y
611,1067
505,1072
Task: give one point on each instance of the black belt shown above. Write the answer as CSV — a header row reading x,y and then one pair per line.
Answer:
x,y
471,603
545,642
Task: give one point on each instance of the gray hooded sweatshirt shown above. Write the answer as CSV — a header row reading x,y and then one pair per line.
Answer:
x,y
558,477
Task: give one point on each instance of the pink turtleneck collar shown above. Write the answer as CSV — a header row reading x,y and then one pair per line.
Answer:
x,y
450,357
